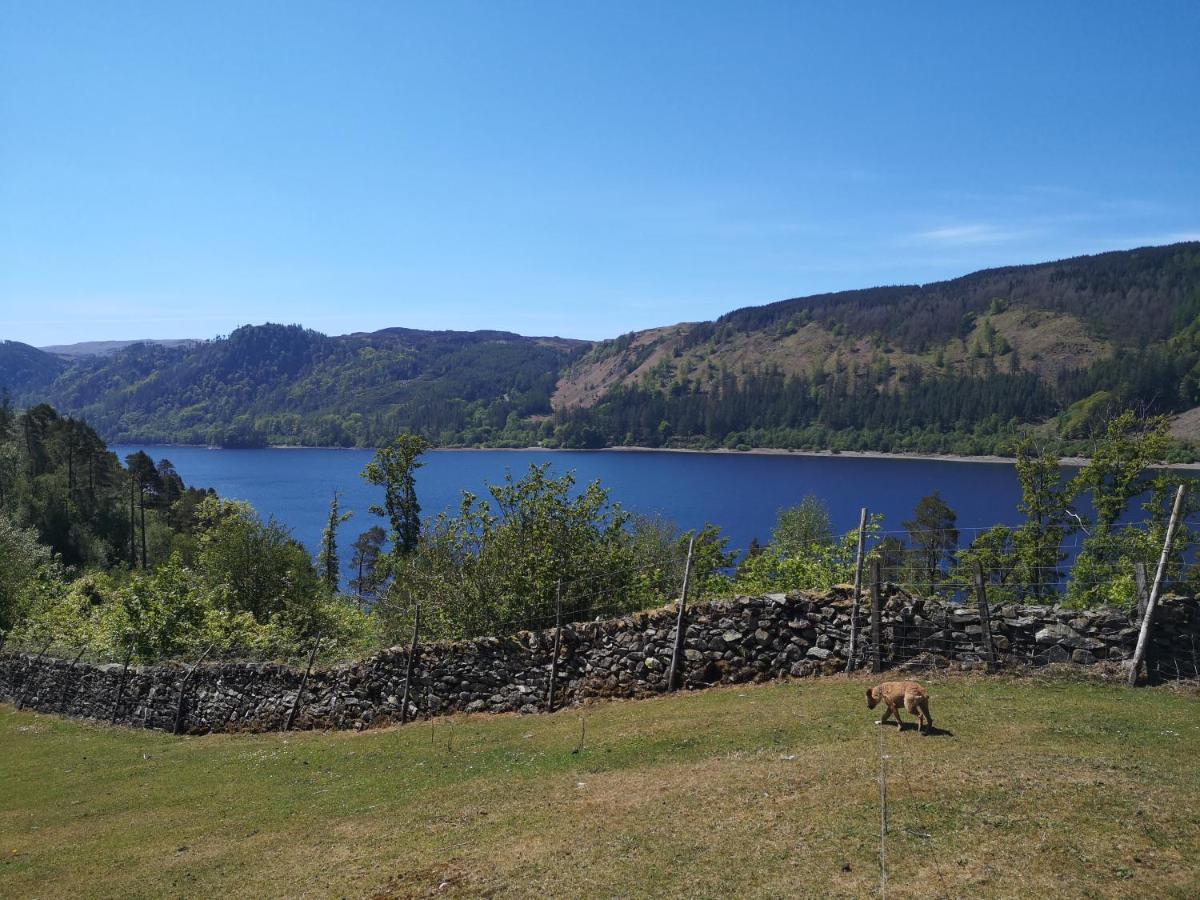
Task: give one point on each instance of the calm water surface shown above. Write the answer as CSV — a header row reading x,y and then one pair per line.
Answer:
x,y
740,492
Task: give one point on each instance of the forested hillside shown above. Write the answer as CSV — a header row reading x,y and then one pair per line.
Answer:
x,y
955,366
283,384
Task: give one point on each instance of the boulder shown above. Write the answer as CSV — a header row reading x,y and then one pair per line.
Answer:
x,y
1055,633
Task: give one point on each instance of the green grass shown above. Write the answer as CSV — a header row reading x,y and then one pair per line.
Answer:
x,y
1044,788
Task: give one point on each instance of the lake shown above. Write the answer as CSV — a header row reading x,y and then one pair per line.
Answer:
x,y
741,492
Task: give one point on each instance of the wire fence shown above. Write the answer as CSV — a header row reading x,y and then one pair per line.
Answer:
x,y
915,568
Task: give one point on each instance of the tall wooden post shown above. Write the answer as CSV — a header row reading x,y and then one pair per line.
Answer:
x,y
876,617
1144,635
1139,581
852,655
121,684
557,644
67,685
985,618
681,620
408,669
33,667
291,719
188,677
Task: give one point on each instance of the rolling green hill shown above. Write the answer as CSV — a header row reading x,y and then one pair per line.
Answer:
x,y
955,366
1037,788
27,370
283,384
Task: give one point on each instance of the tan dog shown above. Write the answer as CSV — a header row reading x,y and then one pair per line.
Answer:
x,y
895,694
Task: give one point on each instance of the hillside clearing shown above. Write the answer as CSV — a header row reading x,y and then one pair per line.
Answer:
x,y
1044,787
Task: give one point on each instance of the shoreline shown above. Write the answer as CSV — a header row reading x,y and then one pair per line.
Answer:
x,y
991,459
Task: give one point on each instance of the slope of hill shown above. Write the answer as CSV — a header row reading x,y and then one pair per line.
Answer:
x,y
954,366
25,369
108,348
276,384
1040,787
946,366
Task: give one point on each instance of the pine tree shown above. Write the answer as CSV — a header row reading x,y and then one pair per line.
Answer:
x,y
327,559
392,469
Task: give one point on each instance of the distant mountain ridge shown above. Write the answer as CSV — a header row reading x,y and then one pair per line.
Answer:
x,y
108,348
285,384
955,366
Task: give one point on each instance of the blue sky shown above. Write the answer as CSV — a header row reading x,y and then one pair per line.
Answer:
x,y
175,170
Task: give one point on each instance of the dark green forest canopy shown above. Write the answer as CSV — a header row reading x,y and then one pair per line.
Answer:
x,y
915,368
287,384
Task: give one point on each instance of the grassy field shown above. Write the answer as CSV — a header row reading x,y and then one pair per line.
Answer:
x,y
1040,788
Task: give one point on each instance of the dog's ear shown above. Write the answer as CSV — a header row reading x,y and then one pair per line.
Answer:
x,y
870,699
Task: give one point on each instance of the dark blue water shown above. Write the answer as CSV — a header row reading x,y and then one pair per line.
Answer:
x,y
740,492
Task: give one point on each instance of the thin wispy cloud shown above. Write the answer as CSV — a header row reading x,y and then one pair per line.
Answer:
x,y
965,235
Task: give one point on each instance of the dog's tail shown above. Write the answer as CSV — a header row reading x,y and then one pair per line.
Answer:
x,y
924,702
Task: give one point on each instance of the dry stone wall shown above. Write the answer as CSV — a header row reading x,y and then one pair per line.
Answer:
x,y
727,641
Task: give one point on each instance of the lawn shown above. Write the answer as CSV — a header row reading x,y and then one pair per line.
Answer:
x,y
1042,787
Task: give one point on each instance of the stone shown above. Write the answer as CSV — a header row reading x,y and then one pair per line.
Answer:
x,y
819,653
1082,642
1055,633
1055,654
1082,657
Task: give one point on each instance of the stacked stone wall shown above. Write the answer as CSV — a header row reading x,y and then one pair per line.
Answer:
x,y
726,642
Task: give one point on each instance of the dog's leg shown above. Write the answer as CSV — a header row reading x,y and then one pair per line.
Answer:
x,y
913,705
925,714
895,710
887,712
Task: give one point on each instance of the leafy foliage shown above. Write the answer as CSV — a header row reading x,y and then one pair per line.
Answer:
x,y
497,565
393,469
785,565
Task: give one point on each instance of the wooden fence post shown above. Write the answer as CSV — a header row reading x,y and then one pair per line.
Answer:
x,y
985,618
183,688
121,683
851,656
291,719
412,651
1139,581
1144,635
681,620
62,698
557,644
429,709
876,617
32,673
